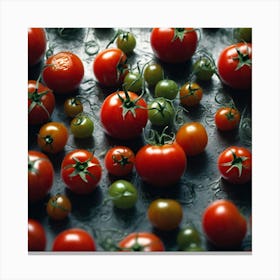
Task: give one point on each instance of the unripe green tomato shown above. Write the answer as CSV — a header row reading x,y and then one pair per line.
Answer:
x,y
82,126
243,34
133,82
167,89
204,69
153,73
188,236
126,42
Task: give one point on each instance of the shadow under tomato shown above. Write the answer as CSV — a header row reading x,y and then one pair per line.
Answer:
x,y
169,238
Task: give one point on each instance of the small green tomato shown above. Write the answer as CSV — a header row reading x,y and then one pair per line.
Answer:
x,y
187,238
82,126
167,89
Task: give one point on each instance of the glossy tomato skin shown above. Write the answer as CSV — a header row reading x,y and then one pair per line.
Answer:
x,y
235,165
41,102
171,48
141,241
37,43
72,107
82,126
223,224
230,69
74,239
40,176
120,124
64,73
126,42
190,94
58,207
81,171
161,165
227,118
37,239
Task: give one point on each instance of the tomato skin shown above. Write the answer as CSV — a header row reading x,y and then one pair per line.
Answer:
x,y
126,42
227,65
72,107
58,207
227,118
190,94
223,224
37,239
82,126
161,165
235,165
153,73
37,43
131,124
64,73
166,88
40,175
188,237
44,101
74,239
133,81
141,241
171,50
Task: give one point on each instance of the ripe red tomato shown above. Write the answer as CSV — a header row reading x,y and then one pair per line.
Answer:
x,y
41,102
223,224
40,175
124,115
74,239
235,165
190,94
64,73
235,66
37,43
109,67
227,118
174,45
81,171
141,241
37,239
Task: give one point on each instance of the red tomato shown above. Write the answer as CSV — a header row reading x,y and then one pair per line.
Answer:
x,y
74,239
41,102
227,118
141,241
124,115
64,73
40,175
235,165
175,45
110,67
235,66
223,224
81,171
161,165
37,44
36,236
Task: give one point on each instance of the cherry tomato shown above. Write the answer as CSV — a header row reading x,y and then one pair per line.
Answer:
x,y
74,239
133,81
81,171
82,126
235,66
72,107
190,94
37,43
126,42
204,68
37,239
141,241
119,161
64,72
124,115
52,137
166,88
227,118
188,237
153,73
235,165
192,137
165,214
41,102
109,67
223,224
174,45
40,175
58,207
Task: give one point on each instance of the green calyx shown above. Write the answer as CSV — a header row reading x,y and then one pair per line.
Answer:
x,y
243,59
159,139
123,161
179,33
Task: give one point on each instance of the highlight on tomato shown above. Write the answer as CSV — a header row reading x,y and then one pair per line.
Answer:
x,y
227,118
37,239
37,44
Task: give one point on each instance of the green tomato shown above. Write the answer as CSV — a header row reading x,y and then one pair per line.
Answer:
x,y
123,194
204,69
126,42
82,126
133,82
153,73
193,247
188,236
167,89
243,34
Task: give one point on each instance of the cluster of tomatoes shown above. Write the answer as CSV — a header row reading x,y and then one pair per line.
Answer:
x,y
139,96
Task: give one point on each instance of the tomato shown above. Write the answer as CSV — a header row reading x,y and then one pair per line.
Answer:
x,y
58,207
153,73
81,171
166,88
235,165
223,224
188,237
123,194
40,175
72,107
41,102
227,118
204,68
109,67
235,66
64,72
243,34
161,165
37,43
192,137
52,137
119,161
126,42
82,126
74,239
124,115
174,45
37,239
190,94
141,241
133,81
